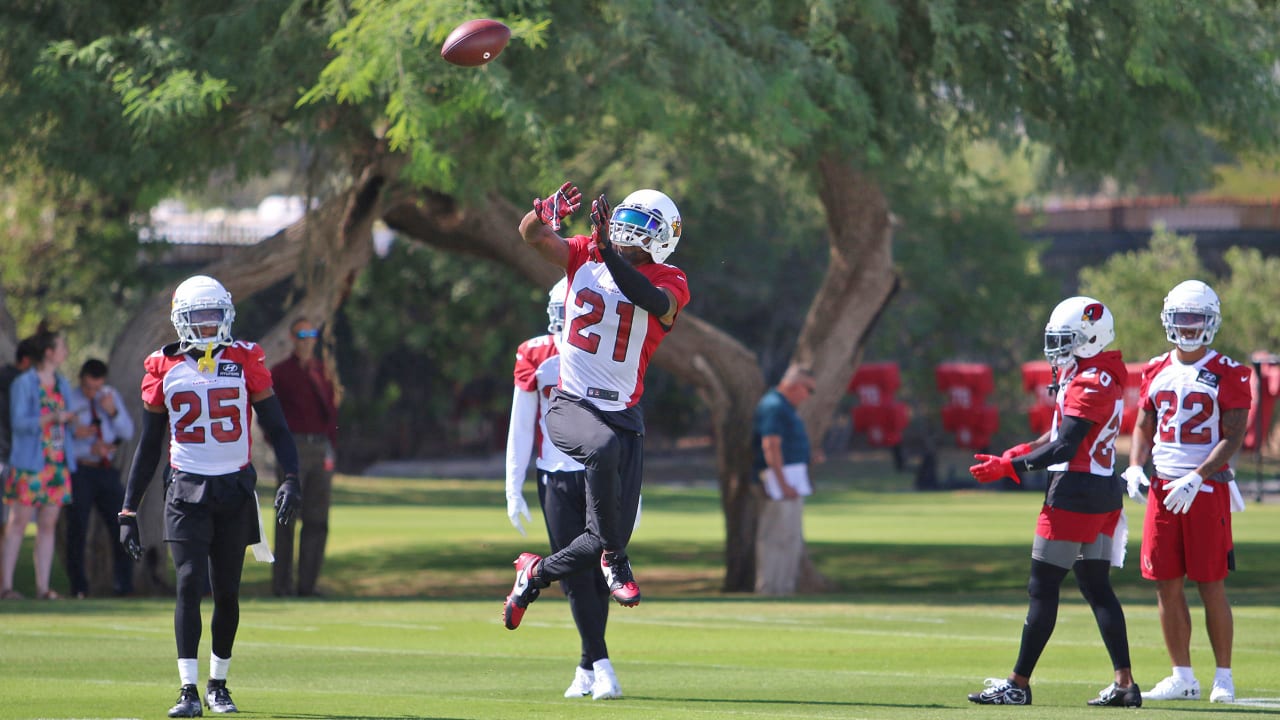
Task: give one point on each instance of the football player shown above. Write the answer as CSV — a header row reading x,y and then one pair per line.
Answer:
x,y
621,303
1081,525
1193,417
203,391
562,493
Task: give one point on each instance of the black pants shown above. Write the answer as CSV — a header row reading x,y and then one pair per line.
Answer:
x,y
614,461
317,492
563,496
95,487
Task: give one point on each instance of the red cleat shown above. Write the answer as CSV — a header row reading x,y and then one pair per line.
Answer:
x,y
617,575
523,592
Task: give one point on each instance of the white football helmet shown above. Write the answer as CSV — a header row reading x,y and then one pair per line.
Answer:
x,y
1078,327
199,302
1191,315
647,219
555,306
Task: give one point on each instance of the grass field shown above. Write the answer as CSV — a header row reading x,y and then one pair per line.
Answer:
x,y
931,602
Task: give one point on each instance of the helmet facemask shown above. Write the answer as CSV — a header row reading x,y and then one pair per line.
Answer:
x,y
1190,329
1060,346
202,314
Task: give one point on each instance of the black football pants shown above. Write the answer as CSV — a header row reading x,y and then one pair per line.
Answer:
x,y
614,461
563,496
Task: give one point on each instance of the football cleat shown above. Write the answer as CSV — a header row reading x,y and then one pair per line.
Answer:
x,y
1001,692
1174,688
218,697
1115,696
605,686
617,575
583,679
188,703
1224,691
523,592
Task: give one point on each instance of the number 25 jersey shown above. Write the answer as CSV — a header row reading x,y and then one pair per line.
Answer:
x,y
209,411
607,339
1187,402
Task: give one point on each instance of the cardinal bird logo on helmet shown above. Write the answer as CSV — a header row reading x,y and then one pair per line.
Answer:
x,y
1093,312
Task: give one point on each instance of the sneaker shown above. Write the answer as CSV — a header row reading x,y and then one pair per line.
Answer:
x,y
583,679
523,592
1001,692
1174,688
617,575
1223,692
1115,696
218,697
188,703
605,686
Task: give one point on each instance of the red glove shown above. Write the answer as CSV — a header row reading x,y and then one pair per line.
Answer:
x,y
991,468
558,206
1016,451
600,214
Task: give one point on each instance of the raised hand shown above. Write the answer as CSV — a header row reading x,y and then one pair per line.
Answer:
x,y
288,499
558,206
600,214
991,468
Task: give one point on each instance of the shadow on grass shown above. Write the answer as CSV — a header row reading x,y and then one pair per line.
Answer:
x,y
766,701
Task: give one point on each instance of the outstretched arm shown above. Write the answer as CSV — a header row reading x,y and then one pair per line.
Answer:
x,y
538,226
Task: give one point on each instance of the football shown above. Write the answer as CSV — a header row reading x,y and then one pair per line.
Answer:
x,y
475,42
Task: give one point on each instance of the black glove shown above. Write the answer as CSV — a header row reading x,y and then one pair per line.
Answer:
x,y
129,537
600,214
288,499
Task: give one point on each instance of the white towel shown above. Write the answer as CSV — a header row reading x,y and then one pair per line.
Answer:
x,y
261,550
797,475
1237,500
1120,541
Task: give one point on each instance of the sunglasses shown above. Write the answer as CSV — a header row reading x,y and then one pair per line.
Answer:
x,y
307,334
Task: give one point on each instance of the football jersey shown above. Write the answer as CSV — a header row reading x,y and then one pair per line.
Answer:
x,y
607,340
1094,393
538,371
1187,402
209,412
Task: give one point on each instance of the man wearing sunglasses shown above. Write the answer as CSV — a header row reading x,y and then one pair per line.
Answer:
x,y
621,303
307,395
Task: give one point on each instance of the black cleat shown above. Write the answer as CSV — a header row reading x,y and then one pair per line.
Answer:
x,y
617,575
1115,696
188,703
1001,692
218,697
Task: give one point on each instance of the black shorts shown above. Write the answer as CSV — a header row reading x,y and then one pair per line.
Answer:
x,y
210,509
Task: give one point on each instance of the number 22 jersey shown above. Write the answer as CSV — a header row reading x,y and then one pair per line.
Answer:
x,y
209,411
1187,402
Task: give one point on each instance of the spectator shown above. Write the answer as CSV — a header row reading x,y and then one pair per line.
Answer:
x,y
39,482
622,301
101,426
1081,525
22,359
782,462
562,493
210,506
307,396
1199,400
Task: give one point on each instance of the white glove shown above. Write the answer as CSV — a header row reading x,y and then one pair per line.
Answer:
x,y
1181,492
516,507
1137,483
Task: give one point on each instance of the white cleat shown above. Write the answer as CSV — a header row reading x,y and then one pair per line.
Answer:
x,y
1223,692
606,685
1174,688
583,680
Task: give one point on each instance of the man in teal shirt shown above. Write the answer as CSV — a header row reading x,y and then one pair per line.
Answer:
x,y
782,465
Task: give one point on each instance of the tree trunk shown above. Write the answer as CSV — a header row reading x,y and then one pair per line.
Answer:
x,y
725,373
328,247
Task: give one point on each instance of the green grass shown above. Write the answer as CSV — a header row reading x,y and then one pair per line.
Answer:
x,y
931,602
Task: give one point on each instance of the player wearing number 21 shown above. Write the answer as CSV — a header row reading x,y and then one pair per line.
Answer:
x,y
204,390
1192,418
621,302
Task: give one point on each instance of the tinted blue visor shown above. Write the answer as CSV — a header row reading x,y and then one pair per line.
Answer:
x,y
638,218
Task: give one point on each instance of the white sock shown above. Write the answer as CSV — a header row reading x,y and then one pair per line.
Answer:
x,y
1184,674
189,670
1222,676
218,667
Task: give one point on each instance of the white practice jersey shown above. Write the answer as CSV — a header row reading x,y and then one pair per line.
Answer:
x,y
1187,402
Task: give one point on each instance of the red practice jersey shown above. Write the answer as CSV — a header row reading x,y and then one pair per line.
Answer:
x,y
209,412
1187,402
1094,393
608,340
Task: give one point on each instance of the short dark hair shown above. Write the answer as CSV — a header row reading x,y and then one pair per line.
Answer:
x,y
26,350
94,368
